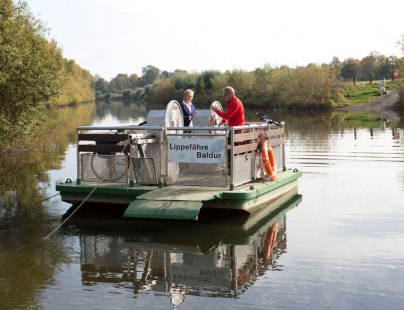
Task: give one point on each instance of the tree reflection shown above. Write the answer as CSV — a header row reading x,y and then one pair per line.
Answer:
x,y
27,262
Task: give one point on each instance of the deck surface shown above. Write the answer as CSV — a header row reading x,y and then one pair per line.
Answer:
x,y
183,193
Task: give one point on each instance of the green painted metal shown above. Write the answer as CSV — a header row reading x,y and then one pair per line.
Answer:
x,y
179,202
182,193
111,189
287,177
164,209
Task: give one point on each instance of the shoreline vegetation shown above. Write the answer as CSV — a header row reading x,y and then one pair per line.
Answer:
x,y
35,78
360,95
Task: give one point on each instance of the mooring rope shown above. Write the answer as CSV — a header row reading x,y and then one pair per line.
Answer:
x,y
30,206
73,212
70,215
87,197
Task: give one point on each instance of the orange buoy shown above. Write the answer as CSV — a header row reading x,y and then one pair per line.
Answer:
x,y
268,159
270,241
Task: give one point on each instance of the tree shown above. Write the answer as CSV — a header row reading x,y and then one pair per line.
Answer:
x,y
101,85
165,74
31,70
204,81
122,82
385,66
350,69
336,66
400,43
133,80
149,75
368,66
184,80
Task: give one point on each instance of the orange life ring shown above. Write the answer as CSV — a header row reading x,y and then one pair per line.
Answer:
x,y
270,241
268,159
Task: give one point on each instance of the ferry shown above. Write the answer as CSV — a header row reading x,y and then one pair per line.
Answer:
x,y
160,169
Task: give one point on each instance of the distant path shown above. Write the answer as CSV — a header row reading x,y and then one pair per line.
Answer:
x,y
388,102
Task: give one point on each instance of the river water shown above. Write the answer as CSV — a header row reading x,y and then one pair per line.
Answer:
x,y
338,242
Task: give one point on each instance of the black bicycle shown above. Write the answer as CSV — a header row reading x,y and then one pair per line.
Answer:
x,y
111,166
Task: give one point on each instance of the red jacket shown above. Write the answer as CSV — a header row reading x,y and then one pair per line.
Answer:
x,y
234,114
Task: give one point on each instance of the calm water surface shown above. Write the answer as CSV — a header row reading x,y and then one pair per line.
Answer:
x,y
338,242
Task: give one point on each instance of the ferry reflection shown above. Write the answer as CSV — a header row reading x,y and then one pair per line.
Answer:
x,y
208,259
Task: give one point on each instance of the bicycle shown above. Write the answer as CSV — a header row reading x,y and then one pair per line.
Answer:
x,y
111,166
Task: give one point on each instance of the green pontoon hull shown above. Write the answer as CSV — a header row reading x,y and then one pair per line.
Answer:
x,y
179,202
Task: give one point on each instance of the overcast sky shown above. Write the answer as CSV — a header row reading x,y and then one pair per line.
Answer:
x,y
108,37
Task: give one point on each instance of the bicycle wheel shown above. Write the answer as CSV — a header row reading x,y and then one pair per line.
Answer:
x,y
110,168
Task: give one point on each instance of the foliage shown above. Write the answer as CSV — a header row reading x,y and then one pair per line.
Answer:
x,y
204,87
310,87
400,43
350,69
162,91
149,75
77,86
401,94
30,70
184,80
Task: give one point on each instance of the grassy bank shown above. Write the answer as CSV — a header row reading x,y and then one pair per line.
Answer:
x,y
364,92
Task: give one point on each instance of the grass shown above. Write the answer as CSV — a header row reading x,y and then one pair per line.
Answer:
x,y
364,92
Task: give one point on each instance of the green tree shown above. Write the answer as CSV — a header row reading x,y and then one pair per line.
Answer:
x,y
336,66
400,64
312,86
149,75
30,71
122,82
350,69
204,81
101,85
368,66
386,66
184,80
77,86
133,80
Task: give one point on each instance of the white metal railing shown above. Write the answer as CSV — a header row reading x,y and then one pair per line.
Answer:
x,y
198,156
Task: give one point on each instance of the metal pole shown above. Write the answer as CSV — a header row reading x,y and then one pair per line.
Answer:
x,y
78,180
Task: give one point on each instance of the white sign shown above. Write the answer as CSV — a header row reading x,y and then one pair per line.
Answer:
x,y
196,150
199,276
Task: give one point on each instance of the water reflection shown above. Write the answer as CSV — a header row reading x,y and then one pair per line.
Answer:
x,y
221,257
122,112
27,262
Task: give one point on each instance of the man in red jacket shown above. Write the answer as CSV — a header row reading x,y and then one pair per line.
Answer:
x,y
234,114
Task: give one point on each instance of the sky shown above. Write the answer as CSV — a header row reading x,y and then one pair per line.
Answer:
x,y
110,37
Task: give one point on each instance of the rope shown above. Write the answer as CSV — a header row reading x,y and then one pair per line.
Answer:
x,y
30,206
67,218
38,202
22,247
71,214
257,192
85,199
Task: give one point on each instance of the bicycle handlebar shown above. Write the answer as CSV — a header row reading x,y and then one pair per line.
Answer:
x,y
264,118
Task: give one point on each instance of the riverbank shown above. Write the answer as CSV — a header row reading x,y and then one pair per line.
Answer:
x,y
385,107
386,101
